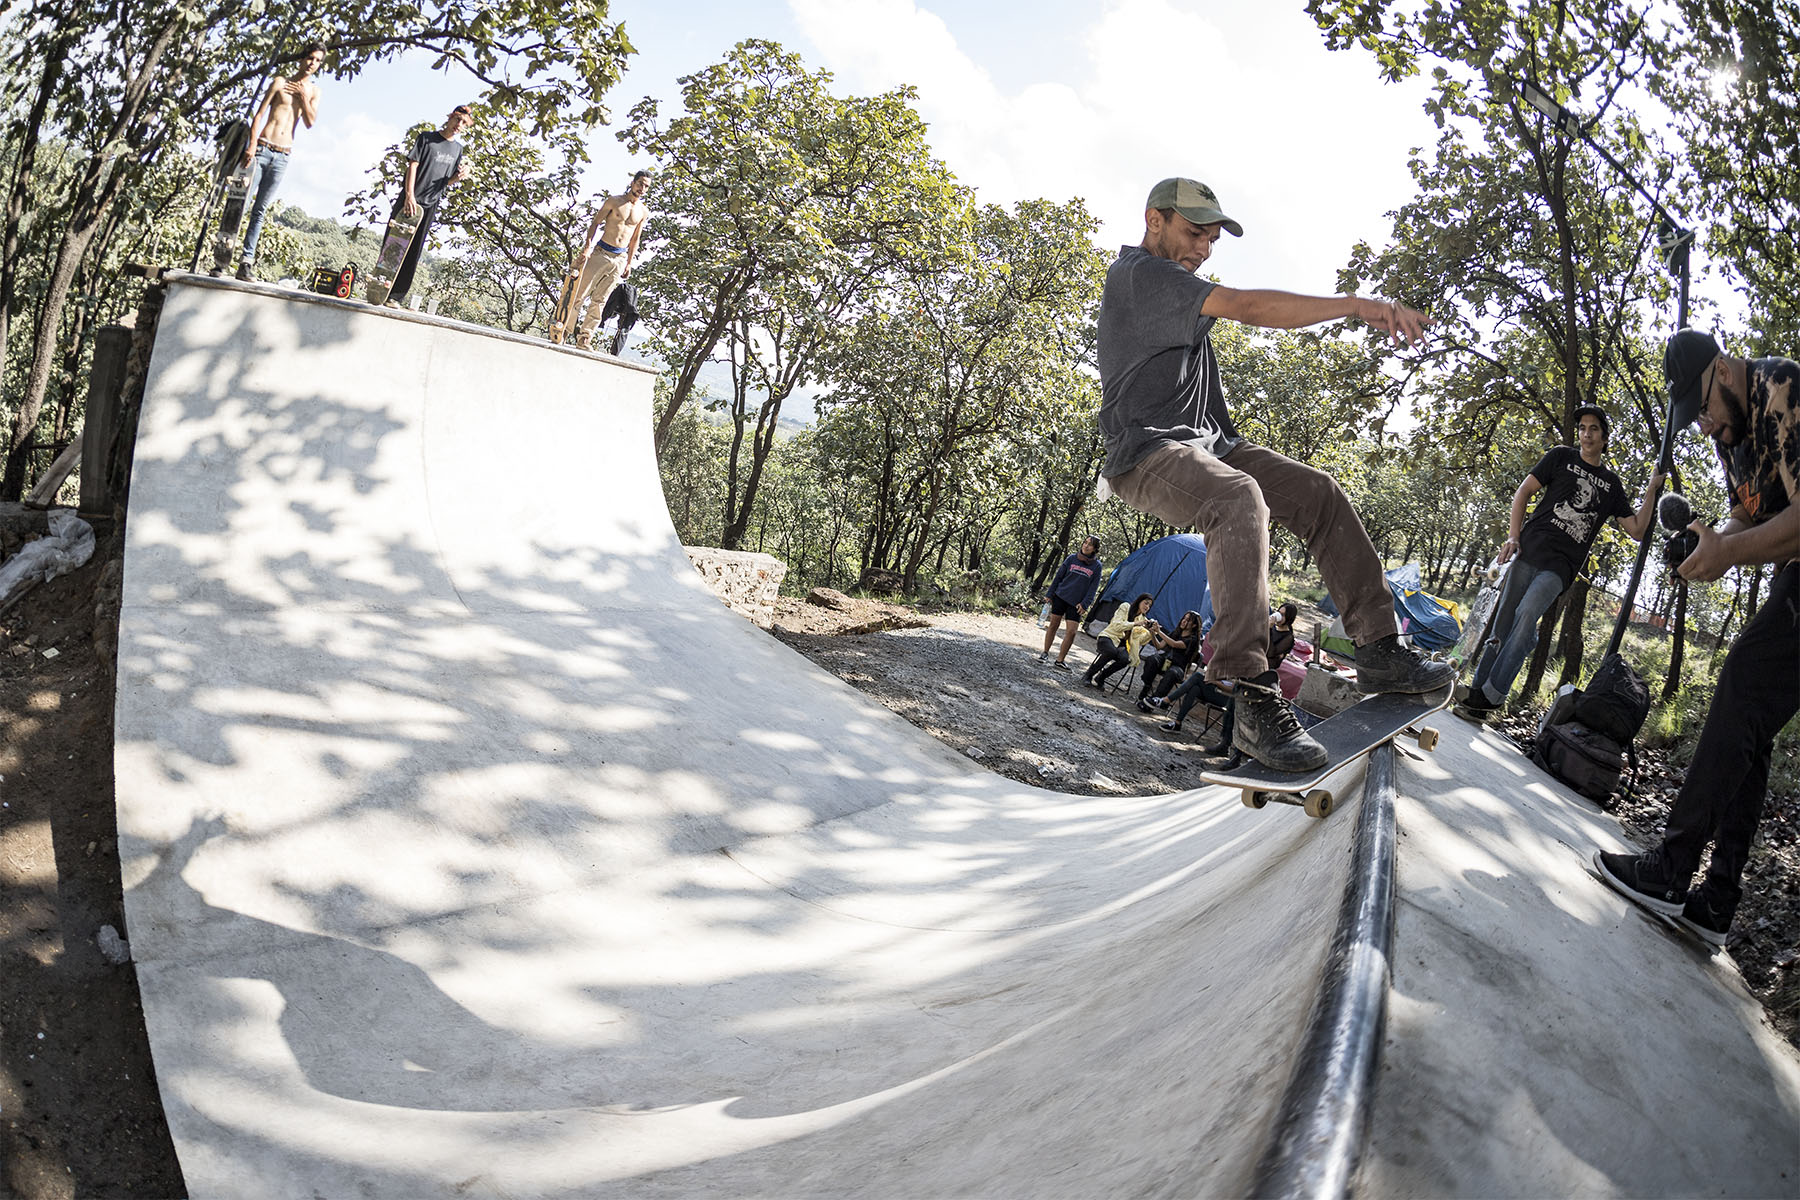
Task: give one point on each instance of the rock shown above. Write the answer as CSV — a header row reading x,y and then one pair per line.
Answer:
x,y
957,690
112,947
881,582
976,753
830,598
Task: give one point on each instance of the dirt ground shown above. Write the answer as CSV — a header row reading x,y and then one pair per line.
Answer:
x,y
971,681
79,1110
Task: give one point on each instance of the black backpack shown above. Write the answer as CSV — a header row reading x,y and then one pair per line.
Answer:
x,y
1615,701
1585,759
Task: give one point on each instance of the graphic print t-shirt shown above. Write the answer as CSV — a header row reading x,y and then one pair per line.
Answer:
x,y
1576,500
1763,470
437,157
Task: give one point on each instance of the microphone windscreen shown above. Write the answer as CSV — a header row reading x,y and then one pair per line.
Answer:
x,y
1674,511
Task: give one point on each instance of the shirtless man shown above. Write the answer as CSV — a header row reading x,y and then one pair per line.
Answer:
x,y
271,143
619,223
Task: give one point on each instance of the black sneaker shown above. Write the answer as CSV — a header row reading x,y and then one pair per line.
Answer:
x,y
1170,727
1705,920
1268,731
1060,665
1387,666
246,273
1477,710
1645,878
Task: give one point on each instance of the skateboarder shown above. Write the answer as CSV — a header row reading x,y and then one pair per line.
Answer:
x,y
434,163
1751,409
1580,493
271,145
1172,451
1071,591
619,224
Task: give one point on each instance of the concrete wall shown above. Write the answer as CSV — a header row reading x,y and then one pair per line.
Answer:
x,y
747,583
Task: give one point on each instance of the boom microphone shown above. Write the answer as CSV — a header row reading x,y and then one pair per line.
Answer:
x,y
1674,511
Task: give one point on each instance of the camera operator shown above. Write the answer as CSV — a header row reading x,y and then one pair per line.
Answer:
x,y
1751,409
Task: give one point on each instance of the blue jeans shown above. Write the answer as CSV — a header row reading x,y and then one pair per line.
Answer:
x,y
266,170
1530,591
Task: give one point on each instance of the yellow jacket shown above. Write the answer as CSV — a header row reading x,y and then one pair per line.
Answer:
x,y
1126,631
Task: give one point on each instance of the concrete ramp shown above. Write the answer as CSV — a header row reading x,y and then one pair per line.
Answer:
x,y
471,846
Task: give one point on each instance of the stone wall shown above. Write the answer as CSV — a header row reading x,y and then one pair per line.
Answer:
x,y
747,583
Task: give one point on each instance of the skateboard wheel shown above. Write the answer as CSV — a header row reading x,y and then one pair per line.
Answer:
x,y
1428,737
1318,804
1255,799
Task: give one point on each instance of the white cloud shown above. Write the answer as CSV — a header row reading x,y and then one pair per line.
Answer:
x,y
1306,148
332,158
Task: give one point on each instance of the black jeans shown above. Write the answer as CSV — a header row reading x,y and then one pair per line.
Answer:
x,y
1196,690
1109,656
1722,799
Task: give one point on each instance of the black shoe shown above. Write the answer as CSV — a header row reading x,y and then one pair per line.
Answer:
x,y
1645,878
1268,731
1216,750
245,273
1387,666
1060,665
1170,727
1144,705
1478,711
1705,920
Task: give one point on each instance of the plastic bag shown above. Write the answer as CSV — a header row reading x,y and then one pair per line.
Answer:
x,y
69,545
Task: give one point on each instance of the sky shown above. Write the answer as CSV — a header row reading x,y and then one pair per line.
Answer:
x,y
1055,99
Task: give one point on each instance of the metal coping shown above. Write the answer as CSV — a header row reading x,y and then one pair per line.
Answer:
x,y
1323,1120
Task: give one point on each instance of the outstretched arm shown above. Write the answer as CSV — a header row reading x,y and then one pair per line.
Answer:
x,y
1734,545
1636,525
1270,309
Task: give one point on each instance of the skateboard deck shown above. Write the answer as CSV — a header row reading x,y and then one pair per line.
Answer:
x,y
237,188
394,244
565,300
1371,722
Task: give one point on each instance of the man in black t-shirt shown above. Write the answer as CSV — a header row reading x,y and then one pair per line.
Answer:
x,y
432,165
1580,493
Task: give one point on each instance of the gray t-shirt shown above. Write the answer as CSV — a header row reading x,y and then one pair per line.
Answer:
x,y
437,157
1159,382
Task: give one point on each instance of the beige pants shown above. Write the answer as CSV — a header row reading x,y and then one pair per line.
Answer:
x,y
599,275
1231,501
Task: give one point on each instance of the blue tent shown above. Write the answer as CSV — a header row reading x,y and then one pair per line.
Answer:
x,y
1173,569
1433,624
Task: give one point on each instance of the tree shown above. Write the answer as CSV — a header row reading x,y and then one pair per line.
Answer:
x,y
779,209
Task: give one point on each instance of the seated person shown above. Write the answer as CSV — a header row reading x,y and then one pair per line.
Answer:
x,y
1196,690
1166,659
1123,636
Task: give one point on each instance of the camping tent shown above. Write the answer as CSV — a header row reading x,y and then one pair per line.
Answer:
x,y
1173,569
1432,623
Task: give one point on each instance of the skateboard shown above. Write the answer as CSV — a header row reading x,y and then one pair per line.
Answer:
x,y
565,300
394,244
1348,736
237,189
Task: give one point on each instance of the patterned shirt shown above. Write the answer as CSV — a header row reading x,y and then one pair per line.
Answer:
x,y
1762,471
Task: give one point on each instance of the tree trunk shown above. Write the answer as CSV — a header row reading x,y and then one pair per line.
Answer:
x,y
1673,683
1571,646
56,52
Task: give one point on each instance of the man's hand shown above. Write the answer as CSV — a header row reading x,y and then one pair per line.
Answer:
x,y
1406,325
293,88
413,208
249,152
461,172
1709,561
1508,548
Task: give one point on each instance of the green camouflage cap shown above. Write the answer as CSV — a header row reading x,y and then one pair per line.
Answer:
x,y
1193,200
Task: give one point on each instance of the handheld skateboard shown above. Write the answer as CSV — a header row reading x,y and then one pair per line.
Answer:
x,y
394,244
236,176
565,300
1348,736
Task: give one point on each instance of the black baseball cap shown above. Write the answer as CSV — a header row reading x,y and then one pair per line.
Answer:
x,y
1590,410
1685,360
